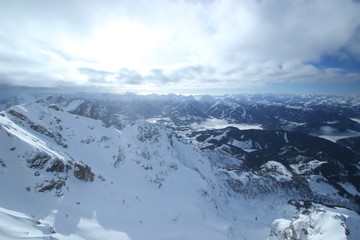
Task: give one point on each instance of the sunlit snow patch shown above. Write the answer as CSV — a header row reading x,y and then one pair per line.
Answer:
x,y
307,167
319,223
350,188
334,135
155,120
17,225
276,170
244,145
215,123
91,229
356,119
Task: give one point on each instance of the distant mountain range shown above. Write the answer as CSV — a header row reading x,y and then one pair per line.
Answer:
x,y
104,166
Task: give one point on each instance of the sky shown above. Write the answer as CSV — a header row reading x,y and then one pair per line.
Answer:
x,y
182,46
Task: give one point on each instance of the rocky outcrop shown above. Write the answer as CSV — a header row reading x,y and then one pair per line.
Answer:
x,y
83,172
41,160
57,137
58,166
55,107
52,184
38,160
2,163
148,133
54,172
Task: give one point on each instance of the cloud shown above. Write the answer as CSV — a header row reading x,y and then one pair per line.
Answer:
x,y
95,76
157,76
353,47
129,77
177,43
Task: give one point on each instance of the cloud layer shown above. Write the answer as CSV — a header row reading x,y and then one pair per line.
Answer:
x,y
177,44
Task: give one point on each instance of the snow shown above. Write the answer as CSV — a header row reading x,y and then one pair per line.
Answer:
x,y
74,104
90,228
16,225
286,138
334,135
215,123
277,170
304,168
244,145
218,137
321,223
155,187
243,177
340,135
319,184
26,136
356,119
350,188
147,185
155,120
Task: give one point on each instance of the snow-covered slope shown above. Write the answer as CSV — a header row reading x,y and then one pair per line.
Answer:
x,y
67,176
290,165
140,180
317,222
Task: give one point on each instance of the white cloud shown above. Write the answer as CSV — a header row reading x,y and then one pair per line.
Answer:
x,y
182,44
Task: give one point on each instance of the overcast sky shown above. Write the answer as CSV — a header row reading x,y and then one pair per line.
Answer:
x,y
195,46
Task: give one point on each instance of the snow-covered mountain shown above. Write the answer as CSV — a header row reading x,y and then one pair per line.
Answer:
x,y
331,117
76,174
75,168
294,165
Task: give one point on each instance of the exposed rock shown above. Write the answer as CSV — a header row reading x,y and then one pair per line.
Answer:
x,y
55,136
18,115
56,108
39,160
83,172
148,133
56,166
40,129
93,110
2,163
119,157
51,184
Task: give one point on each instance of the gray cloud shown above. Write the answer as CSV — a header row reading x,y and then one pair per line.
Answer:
x,y
158,75
192,72
353,47
129,77
95,76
